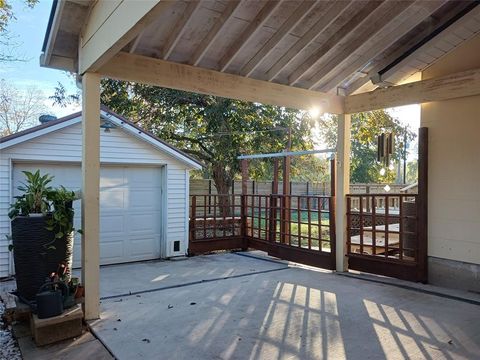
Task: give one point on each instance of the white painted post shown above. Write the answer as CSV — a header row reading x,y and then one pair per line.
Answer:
x,y
91,194
342,188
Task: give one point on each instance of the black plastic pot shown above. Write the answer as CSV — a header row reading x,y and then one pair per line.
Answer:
x,y
37,253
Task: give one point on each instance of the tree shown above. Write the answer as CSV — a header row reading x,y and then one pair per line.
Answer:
x,y
19,109
6,39
366,126
213,129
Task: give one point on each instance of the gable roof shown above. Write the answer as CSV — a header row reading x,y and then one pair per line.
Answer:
x,y
106,113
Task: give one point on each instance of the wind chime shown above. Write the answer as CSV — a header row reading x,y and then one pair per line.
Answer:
x,y
384,154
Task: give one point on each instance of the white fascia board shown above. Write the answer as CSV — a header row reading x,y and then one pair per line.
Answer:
x,y
40,132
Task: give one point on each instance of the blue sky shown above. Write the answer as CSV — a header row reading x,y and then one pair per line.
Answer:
x,y
28,31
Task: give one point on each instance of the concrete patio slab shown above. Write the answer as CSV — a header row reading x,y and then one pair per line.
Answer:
x,y
116,280
292,313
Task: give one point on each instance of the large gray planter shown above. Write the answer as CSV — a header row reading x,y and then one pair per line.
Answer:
x,y
37,253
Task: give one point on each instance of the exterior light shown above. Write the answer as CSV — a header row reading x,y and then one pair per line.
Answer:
x,y
386,188
391,167
382,171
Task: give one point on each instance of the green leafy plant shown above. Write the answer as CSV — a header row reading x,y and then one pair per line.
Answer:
x,y
40,198
61,221
34,199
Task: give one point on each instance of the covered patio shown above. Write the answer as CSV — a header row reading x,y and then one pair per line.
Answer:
x,y
340,57
248,306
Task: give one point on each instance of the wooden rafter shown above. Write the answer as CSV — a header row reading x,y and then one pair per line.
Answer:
x,y
256,24
337,38
330,16
399,26
473,14
135,42
130,67
297,16
179,29
396,50
214,32
466,83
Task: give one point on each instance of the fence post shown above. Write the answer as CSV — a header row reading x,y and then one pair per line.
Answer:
x,y
210,196
243,203
193,212
422,205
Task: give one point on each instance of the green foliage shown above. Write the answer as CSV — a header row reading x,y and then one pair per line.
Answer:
x,y
366,126
34,199
6,13
213,129
61,221
38,197
412,172
6,42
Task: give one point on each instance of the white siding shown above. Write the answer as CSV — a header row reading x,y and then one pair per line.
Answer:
x,y
117,147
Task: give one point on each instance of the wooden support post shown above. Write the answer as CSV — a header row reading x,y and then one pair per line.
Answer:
x,y
275,176
287,191
244,165
422,205
331,210
244,200
342,188
285,221
274,202
91,194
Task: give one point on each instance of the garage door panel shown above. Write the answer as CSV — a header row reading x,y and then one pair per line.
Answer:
x,y
144,177
141,199
130,208
113,199
112,224
140,247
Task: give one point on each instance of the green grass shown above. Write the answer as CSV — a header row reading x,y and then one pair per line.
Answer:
x,y
305,229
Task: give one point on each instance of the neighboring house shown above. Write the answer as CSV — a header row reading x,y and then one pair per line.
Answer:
x,y
144,185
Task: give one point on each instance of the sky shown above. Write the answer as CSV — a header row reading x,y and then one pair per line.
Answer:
x,y
28,31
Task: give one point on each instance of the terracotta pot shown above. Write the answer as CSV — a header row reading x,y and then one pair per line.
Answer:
x,y
80,292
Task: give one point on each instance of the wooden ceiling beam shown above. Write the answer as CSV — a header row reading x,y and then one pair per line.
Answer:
x,y
386,36
256,24
214,32
179,29
359,18
111,25
323,22
289,24
458,85
146,70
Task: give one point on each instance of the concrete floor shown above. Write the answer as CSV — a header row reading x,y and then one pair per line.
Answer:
x,y
255,309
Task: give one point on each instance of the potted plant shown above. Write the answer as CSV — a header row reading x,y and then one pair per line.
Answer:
x,y
42,232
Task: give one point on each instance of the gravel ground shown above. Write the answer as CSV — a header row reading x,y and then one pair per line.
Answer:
x,y
9,349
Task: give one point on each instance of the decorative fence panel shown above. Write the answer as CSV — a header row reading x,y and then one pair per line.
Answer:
x,y
382,234
298,228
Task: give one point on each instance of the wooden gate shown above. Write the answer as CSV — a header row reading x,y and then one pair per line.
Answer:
x,y
387,233
382,235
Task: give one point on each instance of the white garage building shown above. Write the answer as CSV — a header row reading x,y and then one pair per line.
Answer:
x,y
144,186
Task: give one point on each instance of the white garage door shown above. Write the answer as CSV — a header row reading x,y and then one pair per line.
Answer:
x,y
130,208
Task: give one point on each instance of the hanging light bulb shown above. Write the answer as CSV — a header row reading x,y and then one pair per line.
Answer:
x,y
382,171
386,188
